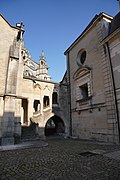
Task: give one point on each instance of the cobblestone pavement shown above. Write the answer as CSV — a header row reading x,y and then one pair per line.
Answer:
x,y
61,160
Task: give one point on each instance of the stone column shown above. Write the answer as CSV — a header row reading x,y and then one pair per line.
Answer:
x,y
30,109
8,121
17,120
1,115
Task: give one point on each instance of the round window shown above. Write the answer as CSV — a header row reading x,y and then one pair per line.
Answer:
x,y
83,57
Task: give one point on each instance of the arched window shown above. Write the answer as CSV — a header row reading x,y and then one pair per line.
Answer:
x,y
54,98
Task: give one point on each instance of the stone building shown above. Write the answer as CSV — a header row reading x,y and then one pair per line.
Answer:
x,y
85,104
93,66
30,101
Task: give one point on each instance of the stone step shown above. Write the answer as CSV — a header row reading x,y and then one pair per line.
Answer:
x,y
25,139
28,132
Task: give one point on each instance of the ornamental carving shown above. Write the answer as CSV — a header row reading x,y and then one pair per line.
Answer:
x,y
81,72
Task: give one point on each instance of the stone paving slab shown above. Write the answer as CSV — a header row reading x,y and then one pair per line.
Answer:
x,y
24,145
60,160
114,155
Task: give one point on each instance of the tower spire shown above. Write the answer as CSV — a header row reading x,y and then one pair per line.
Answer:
x,y
43,68
42,54
42,57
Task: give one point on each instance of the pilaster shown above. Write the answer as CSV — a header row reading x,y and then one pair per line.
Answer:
x,y
8,121
112,131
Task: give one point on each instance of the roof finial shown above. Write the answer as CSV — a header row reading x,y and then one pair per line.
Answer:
x,y
42,53
42,57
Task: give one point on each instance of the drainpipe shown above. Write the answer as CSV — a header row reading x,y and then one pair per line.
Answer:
x,y
114,90
69,94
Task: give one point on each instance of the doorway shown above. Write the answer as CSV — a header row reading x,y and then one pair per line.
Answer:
x,y
25,111
54,126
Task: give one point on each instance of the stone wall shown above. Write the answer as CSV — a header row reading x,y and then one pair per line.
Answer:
x,y
7,36
8,80
90,116
25,98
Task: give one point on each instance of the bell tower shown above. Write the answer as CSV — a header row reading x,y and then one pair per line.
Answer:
x,y
43,68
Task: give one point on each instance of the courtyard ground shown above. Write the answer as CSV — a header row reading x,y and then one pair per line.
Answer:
x,y
61,159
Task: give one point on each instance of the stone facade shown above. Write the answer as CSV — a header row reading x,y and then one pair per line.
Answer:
x,y
85,104
112,47
93,74
26,91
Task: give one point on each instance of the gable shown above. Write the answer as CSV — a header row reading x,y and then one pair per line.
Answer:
x,y
94,21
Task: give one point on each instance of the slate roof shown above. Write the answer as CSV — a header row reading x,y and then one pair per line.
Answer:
x,y
115,23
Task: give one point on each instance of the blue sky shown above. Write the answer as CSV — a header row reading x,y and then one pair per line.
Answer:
x,y
52,25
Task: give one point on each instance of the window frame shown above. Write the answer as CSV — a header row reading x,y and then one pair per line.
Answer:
x,y
81,57
46,101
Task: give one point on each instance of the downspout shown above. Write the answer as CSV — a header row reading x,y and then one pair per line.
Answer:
x,y
116,104
69,94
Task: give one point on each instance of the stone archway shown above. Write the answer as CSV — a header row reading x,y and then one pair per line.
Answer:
x,y
54,126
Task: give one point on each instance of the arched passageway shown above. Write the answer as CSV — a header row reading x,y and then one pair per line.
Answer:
x,y
54,126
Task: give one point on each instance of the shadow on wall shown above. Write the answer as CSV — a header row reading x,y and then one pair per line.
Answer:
x,y
10,128
12,132
31,131
54,126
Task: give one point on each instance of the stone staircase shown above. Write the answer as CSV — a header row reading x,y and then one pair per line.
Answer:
x,y
29,133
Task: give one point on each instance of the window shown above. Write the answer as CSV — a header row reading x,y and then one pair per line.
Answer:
x,y
46,101
36,105
45,78
84,91
83,57
42,63
54,98
28,73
